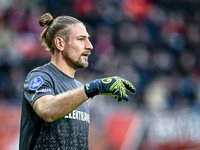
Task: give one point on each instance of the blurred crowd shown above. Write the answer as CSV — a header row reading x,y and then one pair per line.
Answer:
x,y
152,43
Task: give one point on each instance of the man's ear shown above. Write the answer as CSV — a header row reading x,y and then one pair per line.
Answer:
x,y
59,43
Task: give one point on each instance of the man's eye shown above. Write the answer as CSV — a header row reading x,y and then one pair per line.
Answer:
x,y
81,39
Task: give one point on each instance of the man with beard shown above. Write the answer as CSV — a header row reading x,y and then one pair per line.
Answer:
x,y
55,113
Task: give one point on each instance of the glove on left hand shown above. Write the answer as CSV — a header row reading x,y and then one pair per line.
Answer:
x,y
114,86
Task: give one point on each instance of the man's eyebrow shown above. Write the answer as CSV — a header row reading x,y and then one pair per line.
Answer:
x,y
84,36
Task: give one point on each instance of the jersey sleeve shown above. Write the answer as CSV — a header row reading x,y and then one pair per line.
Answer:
x,y
36,85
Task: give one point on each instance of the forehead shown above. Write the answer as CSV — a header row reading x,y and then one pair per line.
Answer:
x,y
78,30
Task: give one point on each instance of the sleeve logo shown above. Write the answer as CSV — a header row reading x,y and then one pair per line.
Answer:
x,y
36,83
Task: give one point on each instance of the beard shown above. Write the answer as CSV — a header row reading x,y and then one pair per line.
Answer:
x,y
75,63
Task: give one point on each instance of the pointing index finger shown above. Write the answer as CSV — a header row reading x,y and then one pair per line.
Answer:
x,y
129,86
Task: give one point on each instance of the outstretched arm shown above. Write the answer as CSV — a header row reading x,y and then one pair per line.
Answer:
x,y
51,108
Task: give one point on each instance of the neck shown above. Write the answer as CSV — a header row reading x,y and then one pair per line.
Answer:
x,y
63,66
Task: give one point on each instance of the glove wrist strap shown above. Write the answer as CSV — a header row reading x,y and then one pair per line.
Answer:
x,y
91,89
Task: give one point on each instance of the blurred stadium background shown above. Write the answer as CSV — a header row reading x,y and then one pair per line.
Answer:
x,y
152,43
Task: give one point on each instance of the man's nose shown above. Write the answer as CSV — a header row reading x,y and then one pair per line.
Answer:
x,y
89,45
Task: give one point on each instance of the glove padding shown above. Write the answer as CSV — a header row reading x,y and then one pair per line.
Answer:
x,y
114,86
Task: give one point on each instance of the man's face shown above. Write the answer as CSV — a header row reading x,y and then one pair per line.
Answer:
x,y
78,47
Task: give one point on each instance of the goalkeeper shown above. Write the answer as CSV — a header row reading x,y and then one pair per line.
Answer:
x,y
55,111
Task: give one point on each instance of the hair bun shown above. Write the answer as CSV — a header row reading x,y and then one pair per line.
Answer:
x,y
45,19
50,22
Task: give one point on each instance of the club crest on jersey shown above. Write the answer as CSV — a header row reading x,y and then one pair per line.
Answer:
x,y
36,83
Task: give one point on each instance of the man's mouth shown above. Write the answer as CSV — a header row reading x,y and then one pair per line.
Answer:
x,y
86,54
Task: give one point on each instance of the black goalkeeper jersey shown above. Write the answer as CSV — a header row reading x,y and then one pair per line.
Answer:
x,y
67,133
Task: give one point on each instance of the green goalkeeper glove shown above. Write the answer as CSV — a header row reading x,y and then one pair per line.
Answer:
x,y
114,86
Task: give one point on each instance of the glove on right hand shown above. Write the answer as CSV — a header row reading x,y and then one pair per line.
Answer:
x,y
114,86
